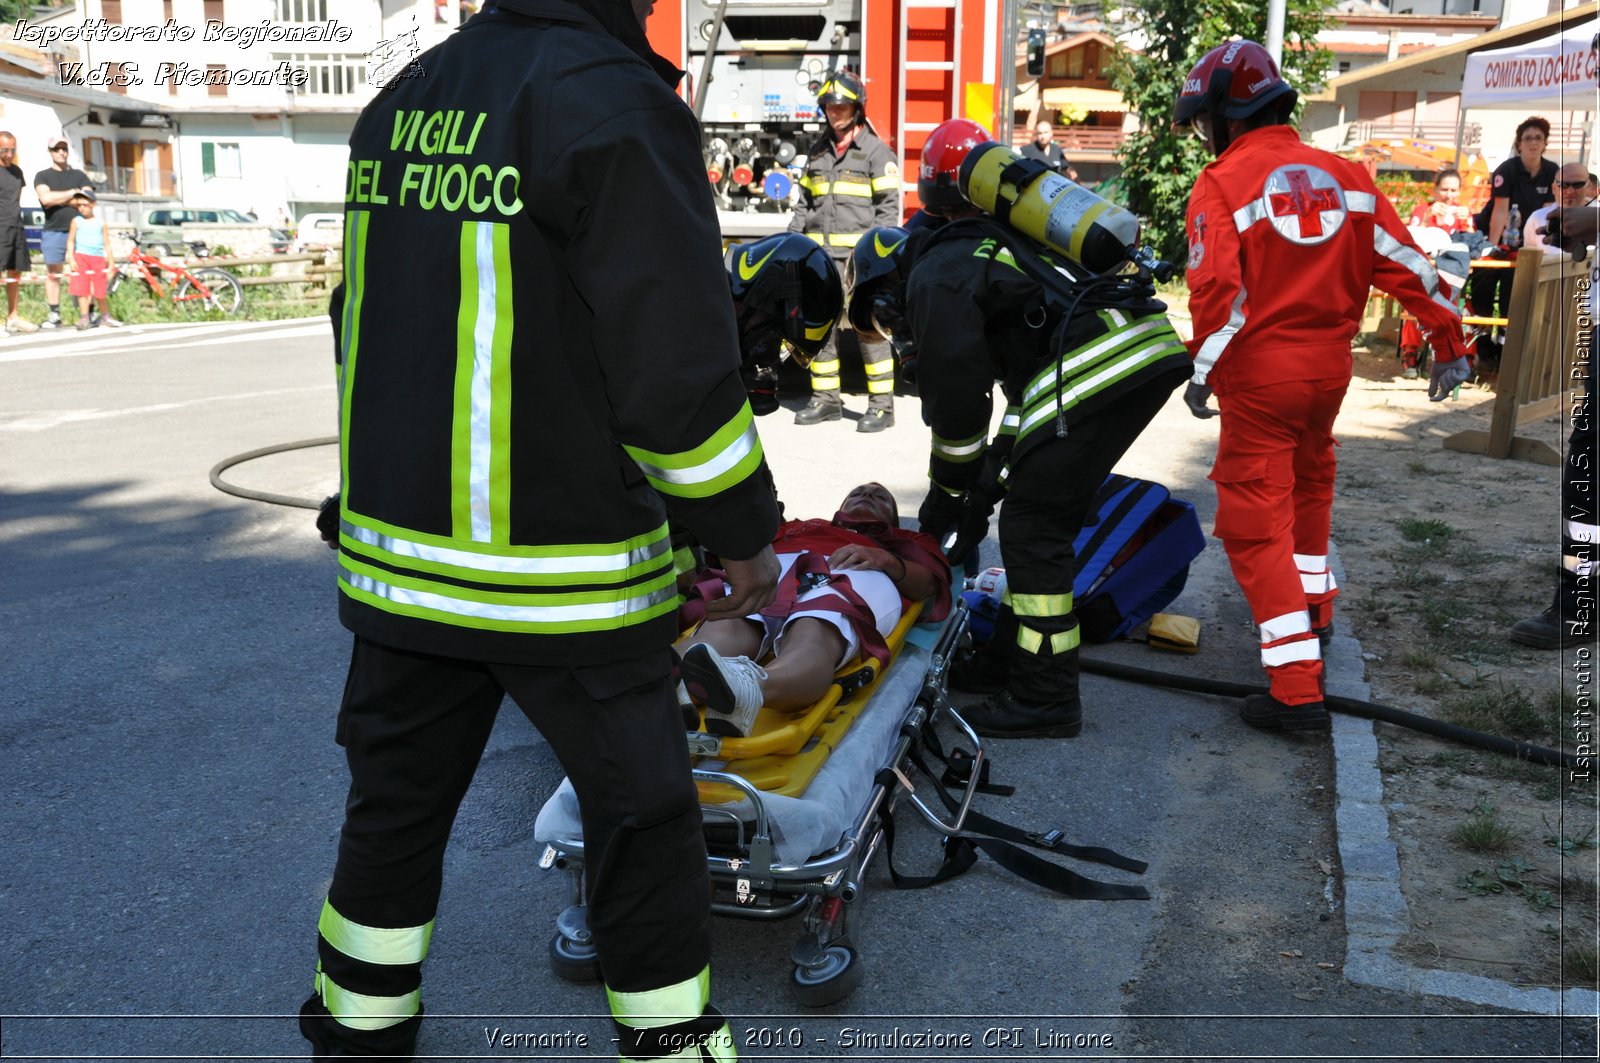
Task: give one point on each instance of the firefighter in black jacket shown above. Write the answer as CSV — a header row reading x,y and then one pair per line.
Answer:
x,y
851,183
1084,363
509,459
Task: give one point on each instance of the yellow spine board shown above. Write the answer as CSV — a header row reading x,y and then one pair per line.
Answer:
x,y
787,751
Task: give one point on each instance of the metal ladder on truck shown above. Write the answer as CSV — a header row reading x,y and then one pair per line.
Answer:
x,y
930,33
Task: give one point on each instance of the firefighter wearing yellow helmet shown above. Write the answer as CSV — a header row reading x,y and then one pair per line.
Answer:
x,y
851,184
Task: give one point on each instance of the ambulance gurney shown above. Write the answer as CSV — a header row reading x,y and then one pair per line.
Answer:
x,y
773,855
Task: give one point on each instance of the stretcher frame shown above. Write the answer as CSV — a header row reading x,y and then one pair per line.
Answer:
x,y
750,881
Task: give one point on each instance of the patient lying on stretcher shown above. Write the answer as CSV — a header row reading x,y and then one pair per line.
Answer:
x,y
844,584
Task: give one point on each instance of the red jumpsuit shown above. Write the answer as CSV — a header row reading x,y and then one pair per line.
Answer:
x,y
1285,243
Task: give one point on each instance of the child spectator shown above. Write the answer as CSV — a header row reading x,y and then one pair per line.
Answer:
x,y
86,250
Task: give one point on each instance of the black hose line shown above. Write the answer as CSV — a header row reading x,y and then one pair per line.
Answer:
x,y
1366,710
266,496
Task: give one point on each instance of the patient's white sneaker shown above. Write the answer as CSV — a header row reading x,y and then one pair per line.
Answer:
x,y
732,687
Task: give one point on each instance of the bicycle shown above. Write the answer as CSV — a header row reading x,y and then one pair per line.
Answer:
x,y
207,292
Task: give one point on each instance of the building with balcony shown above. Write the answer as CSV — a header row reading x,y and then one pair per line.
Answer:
x,y
1076,96
1415,96
230,103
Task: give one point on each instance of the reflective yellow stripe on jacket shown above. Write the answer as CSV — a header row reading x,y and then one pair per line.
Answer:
x,y
415,574
730,454
1095,366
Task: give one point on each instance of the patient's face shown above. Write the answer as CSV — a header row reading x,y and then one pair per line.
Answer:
x,y
872,502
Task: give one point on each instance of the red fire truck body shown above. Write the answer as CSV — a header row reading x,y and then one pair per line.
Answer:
x,y
922,61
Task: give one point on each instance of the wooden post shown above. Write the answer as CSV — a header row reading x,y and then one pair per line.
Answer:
x,y
1524,286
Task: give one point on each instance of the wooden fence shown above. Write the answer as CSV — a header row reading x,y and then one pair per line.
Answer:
x,y
1545,358
321,270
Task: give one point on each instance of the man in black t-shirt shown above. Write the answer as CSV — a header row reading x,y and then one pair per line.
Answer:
x,y
1044,148
14,260
55,188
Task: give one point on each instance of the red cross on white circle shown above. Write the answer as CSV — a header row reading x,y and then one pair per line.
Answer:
x,y
1303,203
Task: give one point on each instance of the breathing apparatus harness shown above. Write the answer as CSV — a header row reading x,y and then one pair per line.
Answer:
x,y
1062,292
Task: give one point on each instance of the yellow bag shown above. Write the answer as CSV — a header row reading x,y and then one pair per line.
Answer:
x,y
1181,634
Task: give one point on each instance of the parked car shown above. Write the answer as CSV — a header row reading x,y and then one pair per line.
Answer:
x,y
320,231
32,227
167,228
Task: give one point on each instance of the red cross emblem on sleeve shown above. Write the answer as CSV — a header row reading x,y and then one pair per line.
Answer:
x,y
1304,203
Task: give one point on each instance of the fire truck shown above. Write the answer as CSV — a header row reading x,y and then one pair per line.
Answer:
x,y
754,68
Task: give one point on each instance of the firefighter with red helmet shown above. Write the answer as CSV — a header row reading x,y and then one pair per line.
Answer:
x,y
1084,363
851,183
1285,244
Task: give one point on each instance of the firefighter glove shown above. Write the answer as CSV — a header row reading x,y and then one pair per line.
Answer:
x,y
972,527
1446,376
940,513
1195,396
328,521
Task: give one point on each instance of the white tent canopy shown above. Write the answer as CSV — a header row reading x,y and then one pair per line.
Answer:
x,y
1552,74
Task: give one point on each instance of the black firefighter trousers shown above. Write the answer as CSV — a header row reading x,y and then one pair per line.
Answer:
x,y
414,727
1049,496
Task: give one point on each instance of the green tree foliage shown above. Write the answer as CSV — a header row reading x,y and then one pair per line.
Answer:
x,y
1159,166
11,10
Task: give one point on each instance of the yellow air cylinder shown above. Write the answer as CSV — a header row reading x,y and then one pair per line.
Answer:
x,y
1038,202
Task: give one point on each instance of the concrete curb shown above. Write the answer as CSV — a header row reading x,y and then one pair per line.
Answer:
x,y
1375,911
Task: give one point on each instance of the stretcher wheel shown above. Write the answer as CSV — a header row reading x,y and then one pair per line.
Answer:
x,y
572,961
830,981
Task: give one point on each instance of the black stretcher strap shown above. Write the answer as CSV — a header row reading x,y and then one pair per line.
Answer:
x,y
961,851
961,854
1050,841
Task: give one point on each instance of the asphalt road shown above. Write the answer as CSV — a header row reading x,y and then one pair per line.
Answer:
x,y
173,792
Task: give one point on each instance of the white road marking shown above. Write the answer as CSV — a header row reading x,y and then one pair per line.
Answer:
x,y
116,341
40,422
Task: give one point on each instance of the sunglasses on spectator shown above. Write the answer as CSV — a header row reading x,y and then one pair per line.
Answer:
x,y
1571,184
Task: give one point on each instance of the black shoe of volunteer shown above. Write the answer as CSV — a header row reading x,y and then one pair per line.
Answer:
x,y
1270,714
1545,631
1004,715
876,421
817,410
979,672
1324,633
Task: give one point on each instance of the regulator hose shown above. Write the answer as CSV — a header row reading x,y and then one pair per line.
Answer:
x,y
1366,710
266,496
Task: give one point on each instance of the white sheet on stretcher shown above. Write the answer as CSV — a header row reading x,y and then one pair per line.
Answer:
x,y
814,822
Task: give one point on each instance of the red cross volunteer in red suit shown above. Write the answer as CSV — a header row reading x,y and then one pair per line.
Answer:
x,y
1285,243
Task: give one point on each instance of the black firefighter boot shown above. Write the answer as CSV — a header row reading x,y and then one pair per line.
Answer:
x,y
1058,713
876,420
1564,622
331,1039
818,410
1004,715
